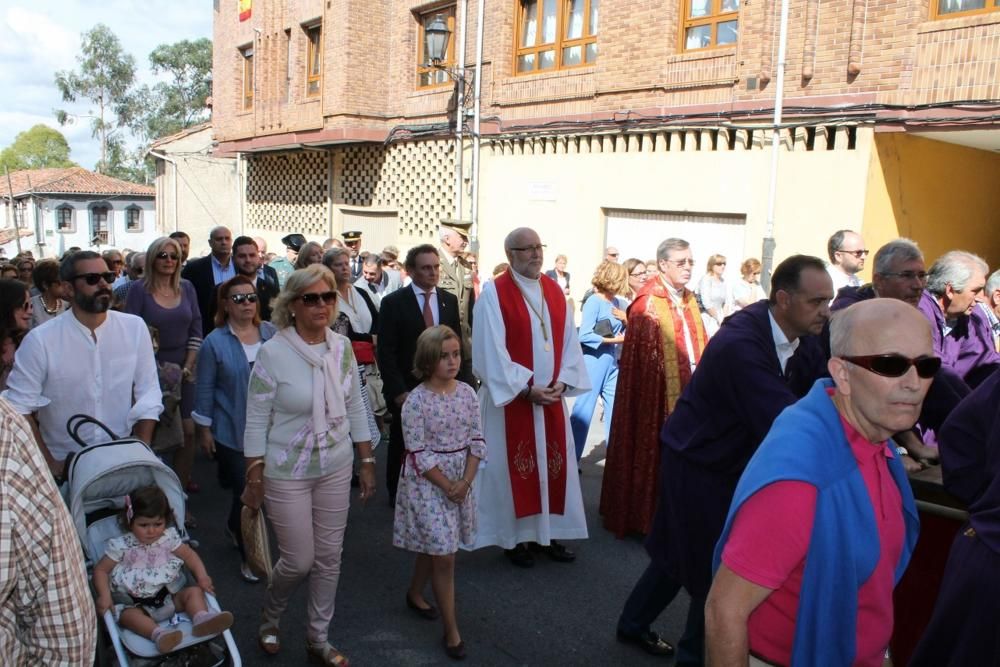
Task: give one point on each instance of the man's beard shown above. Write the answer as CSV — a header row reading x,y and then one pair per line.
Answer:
x,y
252,273
95,303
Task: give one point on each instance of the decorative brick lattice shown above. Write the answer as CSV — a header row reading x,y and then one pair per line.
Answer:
x,y
287,192
415,178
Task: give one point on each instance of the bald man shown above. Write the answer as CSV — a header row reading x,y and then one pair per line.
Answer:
x,y
823,522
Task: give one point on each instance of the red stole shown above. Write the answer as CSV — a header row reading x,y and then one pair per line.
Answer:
x,y
519,421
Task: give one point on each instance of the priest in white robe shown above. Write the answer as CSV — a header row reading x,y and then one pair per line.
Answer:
x,y
526,353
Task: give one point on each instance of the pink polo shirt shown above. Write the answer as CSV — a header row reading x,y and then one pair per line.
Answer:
x,y
769,540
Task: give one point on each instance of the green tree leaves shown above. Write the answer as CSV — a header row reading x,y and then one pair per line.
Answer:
x,y
37,148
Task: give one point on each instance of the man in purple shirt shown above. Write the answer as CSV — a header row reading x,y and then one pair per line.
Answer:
x,y
954,282
963,629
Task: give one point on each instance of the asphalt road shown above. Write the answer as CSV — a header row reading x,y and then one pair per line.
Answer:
x,y
552,614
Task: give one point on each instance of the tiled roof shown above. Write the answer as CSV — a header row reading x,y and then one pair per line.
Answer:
x,y
72,180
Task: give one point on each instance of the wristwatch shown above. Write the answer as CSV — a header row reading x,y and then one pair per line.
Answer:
x,y
901,451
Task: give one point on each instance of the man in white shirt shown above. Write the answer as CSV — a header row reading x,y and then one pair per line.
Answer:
x,y
84,362
847,254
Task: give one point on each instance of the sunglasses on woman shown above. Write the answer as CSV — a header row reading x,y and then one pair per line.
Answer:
x,y
167,255
94,278
313,298
240,299
896,365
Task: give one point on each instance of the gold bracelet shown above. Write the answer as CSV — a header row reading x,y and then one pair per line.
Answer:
x,y
467,483
255,481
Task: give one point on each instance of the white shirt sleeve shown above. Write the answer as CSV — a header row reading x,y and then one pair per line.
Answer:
x,y
24,384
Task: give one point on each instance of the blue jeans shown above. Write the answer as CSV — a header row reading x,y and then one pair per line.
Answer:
x,y
603,372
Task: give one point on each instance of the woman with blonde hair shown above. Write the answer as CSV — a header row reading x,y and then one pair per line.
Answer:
x,y
747,289
309,254
602,330
169,303
305,417
713,293
636,269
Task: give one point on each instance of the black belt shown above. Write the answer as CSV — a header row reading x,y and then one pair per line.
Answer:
x,y
155,601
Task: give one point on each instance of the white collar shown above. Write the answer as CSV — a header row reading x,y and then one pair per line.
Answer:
x,y
781,341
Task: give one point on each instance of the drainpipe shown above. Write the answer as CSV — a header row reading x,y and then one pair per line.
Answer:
x,y
767,251
474,231
460,111
173,163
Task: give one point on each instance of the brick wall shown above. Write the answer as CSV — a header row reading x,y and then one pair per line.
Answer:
x,y
838,50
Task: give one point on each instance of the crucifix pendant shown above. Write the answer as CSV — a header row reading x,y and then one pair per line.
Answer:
x,y
548,347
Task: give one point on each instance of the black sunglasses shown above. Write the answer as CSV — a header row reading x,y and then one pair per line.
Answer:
x,y
896,365
94,278
240,298
165,255
312,298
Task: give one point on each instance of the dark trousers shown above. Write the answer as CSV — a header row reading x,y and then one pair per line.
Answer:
x,y
394,459
653,593
232,474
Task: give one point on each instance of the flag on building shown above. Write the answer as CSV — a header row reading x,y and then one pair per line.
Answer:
x,y
245,9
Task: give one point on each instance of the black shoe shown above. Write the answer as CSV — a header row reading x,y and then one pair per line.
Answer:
x,y
648,641
520,556
555,551
428,612
456,652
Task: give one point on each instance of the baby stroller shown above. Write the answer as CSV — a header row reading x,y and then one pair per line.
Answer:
x,y
98,479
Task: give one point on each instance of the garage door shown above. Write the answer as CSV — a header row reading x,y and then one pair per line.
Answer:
x,y
637,233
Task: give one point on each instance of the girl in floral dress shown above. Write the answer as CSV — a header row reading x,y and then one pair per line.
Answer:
x,y
141,571
435,509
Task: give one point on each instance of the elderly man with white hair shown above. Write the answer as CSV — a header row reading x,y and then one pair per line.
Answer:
x,y
954,284
990,308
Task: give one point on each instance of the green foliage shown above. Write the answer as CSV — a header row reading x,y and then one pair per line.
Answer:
x,y
37,148
106,77
178,102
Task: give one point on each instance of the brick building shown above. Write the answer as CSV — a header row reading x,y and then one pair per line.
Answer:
x,y
613,122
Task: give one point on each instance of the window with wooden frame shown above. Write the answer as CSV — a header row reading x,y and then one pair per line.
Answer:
x,y
428,76
246,55
708,24
99,216
946,9
133,219
64,219
314,60
555,34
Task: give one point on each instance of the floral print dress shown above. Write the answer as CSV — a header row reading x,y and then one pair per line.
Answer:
x,y
438,431
143,569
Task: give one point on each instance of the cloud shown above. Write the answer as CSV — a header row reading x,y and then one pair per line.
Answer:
x,y
40,37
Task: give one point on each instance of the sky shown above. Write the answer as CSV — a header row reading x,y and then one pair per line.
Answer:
x,y
40,37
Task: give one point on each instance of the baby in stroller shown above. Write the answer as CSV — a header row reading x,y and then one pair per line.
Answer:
x,y
141,571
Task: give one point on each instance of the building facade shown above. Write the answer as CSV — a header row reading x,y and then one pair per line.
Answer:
x,y
617,123
58,209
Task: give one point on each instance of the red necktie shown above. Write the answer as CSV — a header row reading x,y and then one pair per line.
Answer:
x,y
428,314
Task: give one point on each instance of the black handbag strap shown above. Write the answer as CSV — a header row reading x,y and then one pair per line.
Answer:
x,y
74,423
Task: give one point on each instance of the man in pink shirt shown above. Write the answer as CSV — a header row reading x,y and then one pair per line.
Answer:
x,y
823,521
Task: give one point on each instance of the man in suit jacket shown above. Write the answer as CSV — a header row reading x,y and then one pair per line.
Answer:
x,y
246,258
377,281
207,272
402,318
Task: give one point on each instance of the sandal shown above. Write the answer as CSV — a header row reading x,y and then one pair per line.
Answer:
x,y
267,638
324,654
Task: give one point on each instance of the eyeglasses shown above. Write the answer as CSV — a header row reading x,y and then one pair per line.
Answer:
x,y
239,299
94,278
167,255
531,248
857,253
681,262
138,271
896,365
638,274
27,305
312,298
906,275
612,254
719,264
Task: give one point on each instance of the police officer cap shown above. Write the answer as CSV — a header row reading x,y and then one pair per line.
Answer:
x,y
294,241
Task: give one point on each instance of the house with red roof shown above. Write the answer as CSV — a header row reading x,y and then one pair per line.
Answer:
x,y
53,210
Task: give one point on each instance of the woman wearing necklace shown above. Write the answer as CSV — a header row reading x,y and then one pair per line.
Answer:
x,y
49,301
224,363
305,417
168,302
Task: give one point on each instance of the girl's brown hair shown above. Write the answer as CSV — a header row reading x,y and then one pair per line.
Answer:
x,y
429,346
149,502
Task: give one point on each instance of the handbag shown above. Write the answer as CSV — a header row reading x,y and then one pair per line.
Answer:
x,y
364,351
603,328
256,541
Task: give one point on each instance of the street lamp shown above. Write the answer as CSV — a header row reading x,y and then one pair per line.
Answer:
x,y
436,37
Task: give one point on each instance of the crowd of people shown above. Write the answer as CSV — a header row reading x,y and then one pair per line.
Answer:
x,y
757,441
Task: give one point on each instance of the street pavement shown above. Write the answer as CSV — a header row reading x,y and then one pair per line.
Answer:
x,y
551,614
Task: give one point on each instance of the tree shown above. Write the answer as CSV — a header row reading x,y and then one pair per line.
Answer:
x,y
172,105
37,148
106,77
